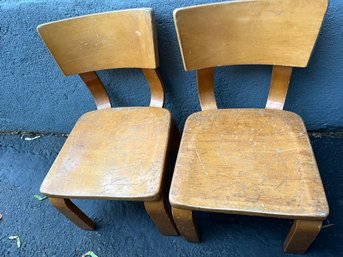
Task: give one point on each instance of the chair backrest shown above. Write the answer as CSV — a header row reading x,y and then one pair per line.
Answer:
x,y
117,39
269,32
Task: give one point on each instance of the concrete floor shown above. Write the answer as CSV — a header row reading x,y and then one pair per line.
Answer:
x,y
124,228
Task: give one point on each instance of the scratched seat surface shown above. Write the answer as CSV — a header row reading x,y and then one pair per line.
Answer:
x,y
112,154
248,161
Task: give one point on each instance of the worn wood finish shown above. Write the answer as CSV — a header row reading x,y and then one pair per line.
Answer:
x,y
205,81
263,155
244,32
281,77
119,154
97,89
117,39
156,87
301,235
73,213
159,210
255,161
160,214
184,220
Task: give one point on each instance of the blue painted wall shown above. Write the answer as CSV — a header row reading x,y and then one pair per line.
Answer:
x,y
35,96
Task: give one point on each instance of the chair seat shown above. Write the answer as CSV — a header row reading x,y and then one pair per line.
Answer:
x,y
248,161
112,154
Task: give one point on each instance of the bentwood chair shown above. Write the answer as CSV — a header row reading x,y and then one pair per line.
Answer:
x,y
248,161
111,153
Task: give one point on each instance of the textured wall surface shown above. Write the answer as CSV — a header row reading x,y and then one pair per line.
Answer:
x,y
35,96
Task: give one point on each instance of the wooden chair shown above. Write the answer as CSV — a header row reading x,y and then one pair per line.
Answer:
x,y
248,161
111,153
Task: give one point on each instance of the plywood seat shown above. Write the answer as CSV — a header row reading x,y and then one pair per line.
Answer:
x,y
248,161
128,164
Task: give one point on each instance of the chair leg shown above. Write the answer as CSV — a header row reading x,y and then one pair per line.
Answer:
x,y
161,216
301,235
73,213
185,224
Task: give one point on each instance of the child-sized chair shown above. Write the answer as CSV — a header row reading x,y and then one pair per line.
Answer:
x,y
249,161
111,153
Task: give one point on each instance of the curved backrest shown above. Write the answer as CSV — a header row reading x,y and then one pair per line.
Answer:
x,y
117,39
271,32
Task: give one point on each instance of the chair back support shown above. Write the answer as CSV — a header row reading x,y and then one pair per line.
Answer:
x,y
267,32
117,39
272,32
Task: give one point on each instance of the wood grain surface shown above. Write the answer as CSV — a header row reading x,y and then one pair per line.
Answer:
x,y
248,161
274,32
112,154
117,39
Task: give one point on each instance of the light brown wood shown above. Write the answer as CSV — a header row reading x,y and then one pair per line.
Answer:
x,y
301,235
116,154
159,212
205,80
156,87
73,213
184,220
281,77
255,161
274,32
97,89
117,39
248,161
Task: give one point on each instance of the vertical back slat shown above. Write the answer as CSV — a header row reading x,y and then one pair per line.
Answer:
x,y
205,80
156,87
97,89
281,77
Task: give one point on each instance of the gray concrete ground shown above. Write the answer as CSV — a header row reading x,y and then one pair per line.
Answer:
x,y
124,228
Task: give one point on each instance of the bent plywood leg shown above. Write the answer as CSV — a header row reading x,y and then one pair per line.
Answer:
x,y
185,224
73,213
301,235
161,216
